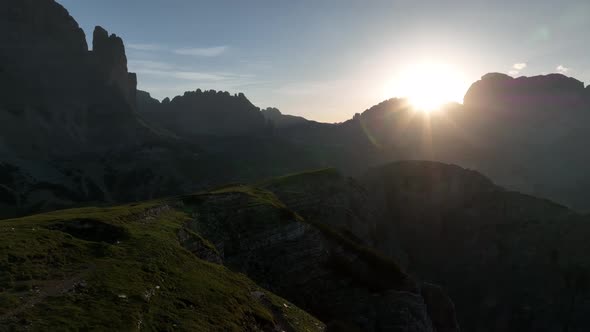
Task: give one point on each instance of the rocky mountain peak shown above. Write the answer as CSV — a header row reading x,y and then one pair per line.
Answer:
x,y
273,111
109,49
497,77
204,112
109,52
40,25
56,90
496,90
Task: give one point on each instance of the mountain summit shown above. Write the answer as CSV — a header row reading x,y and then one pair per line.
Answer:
x,y
66,98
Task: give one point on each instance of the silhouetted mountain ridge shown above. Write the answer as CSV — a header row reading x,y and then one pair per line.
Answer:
x,y
495,91
206,112
282,120
63,96
508,128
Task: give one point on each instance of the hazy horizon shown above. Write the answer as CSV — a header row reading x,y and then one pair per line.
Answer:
x,y
327,62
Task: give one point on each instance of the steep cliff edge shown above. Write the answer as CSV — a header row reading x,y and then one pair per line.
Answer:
x,y
66,98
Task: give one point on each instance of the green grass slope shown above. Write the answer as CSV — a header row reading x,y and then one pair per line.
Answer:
x,y
124,268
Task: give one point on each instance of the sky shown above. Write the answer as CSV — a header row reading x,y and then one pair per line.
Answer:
x,y
329,59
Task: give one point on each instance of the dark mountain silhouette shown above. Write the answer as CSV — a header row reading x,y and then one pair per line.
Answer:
x,y
508,128
280,120
497,91
67,99
207,112
508,260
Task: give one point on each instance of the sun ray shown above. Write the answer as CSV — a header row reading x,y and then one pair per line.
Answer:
x,y
428,85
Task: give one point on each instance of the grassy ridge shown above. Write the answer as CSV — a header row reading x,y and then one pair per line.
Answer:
x,y
124,268
52,275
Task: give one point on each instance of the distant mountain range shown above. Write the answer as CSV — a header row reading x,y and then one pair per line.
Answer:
x,y
526,133
510,128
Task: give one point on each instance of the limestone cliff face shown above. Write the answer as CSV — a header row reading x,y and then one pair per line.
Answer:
x,y
42,26
109,52
56,96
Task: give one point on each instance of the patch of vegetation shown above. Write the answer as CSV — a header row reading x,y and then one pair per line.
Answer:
x,y
258,194
54,274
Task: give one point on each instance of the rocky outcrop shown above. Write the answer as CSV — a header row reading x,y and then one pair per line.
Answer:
x,y
109,52
146,103
281,120
209,112
39,28
56,96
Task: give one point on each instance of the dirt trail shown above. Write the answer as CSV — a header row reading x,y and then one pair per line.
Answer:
x,y
51,288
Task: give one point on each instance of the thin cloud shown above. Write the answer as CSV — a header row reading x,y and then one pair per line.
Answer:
x,y
562,69
195,76
143,65
203,51
194,51
200,76
519,66
314,87
145,47
167,70
513,72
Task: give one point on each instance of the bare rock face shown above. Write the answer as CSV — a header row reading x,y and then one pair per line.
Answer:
x,y
281,120
207,112
109,52
56,97
498,91
39,25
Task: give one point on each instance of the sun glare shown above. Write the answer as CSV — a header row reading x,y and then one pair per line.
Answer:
x,y
428,86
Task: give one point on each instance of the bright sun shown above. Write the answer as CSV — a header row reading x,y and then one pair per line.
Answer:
x,y
428,86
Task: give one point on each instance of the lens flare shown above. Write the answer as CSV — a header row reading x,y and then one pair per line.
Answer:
x,y
428,86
